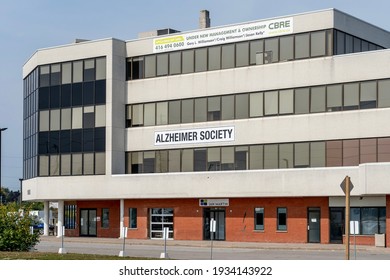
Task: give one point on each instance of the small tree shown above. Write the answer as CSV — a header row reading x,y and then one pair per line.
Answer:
x,y
15,234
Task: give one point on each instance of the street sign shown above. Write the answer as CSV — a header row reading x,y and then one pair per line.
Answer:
x,y
354,226
343,185
213,224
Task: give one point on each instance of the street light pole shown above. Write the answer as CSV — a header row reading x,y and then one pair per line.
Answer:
x,y
1,195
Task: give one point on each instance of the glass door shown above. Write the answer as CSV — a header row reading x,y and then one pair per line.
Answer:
x,y
88,222
219,216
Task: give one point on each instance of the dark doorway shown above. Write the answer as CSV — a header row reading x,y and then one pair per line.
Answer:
x,y
336,224
314,225
219,216
87,222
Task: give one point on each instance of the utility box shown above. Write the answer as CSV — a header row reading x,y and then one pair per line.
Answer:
x,y
380,240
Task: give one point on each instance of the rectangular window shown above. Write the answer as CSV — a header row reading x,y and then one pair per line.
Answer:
x,y
149,162
133,218
302,42
301,155
161,161
242,54
161,113
334,156
227,158
241,158
286,48
213,159
200,158
256,157
162,64
383,149
286,101
105,218
187,160
256,52
174,112
174,160
282,218
228,56
137,68
70,216
334,98
302,101
188,61
271,156
368,150
317,100
242,106
214,58
351,96
317,154
200,109
187,111
286,155
270,103
318,43
350,152
150,66
368,95
259,218
228,107
201,60
256,104
214,108
384,93
174,63
271,50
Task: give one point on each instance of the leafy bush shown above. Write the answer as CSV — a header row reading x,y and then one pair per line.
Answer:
x,y
15,232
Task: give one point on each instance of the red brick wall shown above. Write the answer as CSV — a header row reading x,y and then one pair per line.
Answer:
x,y
240,219
368,240
188,218
112,205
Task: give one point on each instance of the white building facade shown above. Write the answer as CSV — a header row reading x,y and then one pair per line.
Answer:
x,y
254,125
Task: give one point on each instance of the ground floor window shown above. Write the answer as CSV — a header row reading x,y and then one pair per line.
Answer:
x,y
105,218
70,216
259,218
133,218
282,219
371,220
159,219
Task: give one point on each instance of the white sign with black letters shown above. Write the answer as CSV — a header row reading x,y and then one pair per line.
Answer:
x,y
194,136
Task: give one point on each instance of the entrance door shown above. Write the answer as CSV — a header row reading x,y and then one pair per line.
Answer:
x,y
87,222
336,225
219,216
314,225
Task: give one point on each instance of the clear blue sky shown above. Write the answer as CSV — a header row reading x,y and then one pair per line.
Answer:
x,y
28,25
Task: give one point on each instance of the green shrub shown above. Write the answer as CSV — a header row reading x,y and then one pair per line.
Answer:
x,y
15,234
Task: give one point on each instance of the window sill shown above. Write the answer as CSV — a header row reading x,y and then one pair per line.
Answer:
x,y
258,231
281,231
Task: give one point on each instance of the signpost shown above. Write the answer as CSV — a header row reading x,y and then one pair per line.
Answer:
x,y
122,253
347,186
165,237
213,225
354,231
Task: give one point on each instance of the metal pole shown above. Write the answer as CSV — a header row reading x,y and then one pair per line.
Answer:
x,y
347,215
20,195
1,194
212,238
124,240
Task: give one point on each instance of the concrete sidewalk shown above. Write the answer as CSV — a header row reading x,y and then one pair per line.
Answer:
x,y
216,244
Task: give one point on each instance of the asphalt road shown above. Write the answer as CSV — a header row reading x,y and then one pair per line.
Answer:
x,y
201,250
